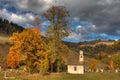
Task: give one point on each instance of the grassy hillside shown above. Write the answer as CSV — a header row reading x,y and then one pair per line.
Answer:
x,y
6,29
4,49
4,39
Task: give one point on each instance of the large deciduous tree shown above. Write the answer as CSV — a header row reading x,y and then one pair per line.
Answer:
x,y
31,43
58,29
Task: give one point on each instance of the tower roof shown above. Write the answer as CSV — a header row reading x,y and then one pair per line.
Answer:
x,y
73,59
81,52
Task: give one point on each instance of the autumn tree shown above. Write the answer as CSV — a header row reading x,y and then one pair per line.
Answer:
x,y
116,60
57,61
34,47
58,29
94,64
57,15
13,57
111,64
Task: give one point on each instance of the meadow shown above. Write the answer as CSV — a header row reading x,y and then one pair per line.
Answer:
x,y
4,39
65,76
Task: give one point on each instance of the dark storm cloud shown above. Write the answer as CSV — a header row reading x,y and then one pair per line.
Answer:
x,y
104,14
36,6
6,3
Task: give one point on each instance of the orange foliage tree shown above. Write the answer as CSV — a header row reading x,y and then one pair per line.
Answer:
x,y
111,64
31,43
13,57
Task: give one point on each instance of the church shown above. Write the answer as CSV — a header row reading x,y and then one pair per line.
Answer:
x,y
76,63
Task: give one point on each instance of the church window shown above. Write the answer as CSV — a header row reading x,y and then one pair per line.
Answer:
x,y
75,68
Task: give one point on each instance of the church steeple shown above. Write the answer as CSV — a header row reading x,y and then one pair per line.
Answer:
x,y
81,56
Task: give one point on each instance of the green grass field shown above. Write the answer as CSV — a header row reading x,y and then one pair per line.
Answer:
x,y
66,76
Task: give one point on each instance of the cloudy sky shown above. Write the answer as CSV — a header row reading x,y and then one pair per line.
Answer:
x,y
90,19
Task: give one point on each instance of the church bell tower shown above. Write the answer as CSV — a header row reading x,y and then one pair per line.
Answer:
x,y
81,57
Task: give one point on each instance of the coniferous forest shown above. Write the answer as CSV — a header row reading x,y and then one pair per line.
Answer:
x,y
8,28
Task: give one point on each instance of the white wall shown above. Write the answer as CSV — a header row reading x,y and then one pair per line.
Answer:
x,y
79,69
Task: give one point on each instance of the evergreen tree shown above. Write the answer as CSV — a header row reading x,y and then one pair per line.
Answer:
x,y
8,28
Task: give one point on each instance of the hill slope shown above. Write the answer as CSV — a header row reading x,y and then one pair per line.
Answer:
x,y
7,28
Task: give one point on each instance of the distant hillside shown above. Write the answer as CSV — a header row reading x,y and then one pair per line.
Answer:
x,y
7,28
93,48
96,42
76,46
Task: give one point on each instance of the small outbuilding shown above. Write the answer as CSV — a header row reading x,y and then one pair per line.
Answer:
x,y
76,63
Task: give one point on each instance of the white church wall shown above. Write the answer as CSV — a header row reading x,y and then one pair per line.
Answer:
x,y
76,69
